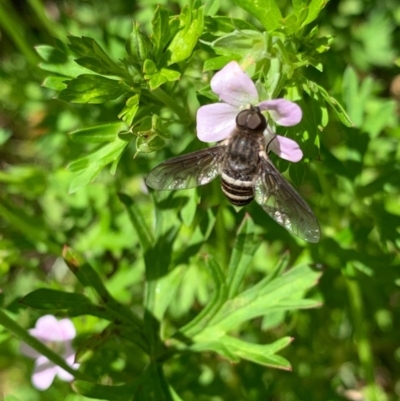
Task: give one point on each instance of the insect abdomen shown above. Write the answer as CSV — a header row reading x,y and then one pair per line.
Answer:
x,y
239,193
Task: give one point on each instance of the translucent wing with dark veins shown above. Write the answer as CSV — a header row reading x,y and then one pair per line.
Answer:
x,y
187,171
280,200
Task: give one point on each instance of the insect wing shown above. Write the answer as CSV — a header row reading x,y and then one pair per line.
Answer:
x,y
280,200
187,171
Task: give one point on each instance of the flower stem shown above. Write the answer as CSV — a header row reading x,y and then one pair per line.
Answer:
x,y
24,336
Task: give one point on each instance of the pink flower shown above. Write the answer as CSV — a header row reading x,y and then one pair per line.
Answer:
x,y
216,121
57,335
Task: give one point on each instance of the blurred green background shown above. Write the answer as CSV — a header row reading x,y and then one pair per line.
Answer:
x,y
352,185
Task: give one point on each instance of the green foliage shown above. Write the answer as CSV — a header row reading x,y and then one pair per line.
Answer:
x,y
179,296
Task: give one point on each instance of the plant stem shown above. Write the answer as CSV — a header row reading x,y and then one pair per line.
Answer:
x,y
51,26
13,26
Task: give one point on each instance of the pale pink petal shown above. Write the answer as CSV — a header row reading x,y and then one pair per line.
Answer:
x,y
283,111
46,329
234,86
69,354
64,375
286,148
44,373
66,329
69,359
28,351
215,121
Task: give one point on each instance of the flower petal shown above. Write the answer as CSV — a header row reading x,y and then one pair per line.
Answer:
x,y
28,351
286,148
234,86
64,375
283,111
44,373
66,329
69,356
46,329
215,121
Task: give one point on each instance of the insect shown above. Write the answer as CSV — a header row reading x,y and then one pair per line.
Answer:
x,y
246,173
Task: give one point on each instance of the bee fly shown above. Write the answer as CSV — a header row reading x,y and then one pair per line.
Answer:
x,y
246,173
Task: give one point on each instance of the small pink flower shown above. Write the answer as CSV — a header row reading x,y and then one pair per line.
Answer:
x,y
57,335
216,121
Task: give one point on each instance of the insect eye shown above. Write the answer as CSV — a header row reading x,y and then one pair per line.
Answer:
x,y
252,120
242,117
257,122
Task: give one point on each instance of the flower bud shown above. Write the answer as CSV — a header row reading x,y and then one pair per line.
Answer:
x,y
138,45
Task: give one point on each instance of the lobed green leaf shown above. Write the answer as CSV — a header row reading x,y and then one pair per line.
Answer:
x,y
93,57
89,88
185,40
266,11
99,134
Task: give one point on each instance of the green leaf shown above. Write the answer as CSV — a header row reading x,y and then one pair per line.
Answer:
x,y
235,349
246,244
128,113
102,392
266,11
240,44
138,222
89,278
220,24
170,75
167,287
93,57
149,67
216,63
314,8
49,299
381,114
318,93
71,303
337,107
160,77
33,227
185,40
211,7
220,295
297,172
261,354
100,157
152,385
56,61
281,293
55,83
99,134
164,29
83,178
88,88
354,105
188,211
272,320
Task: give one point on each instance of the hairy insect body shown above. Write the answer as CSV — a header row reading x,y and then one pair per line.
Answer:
x,y
246,173
240,166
